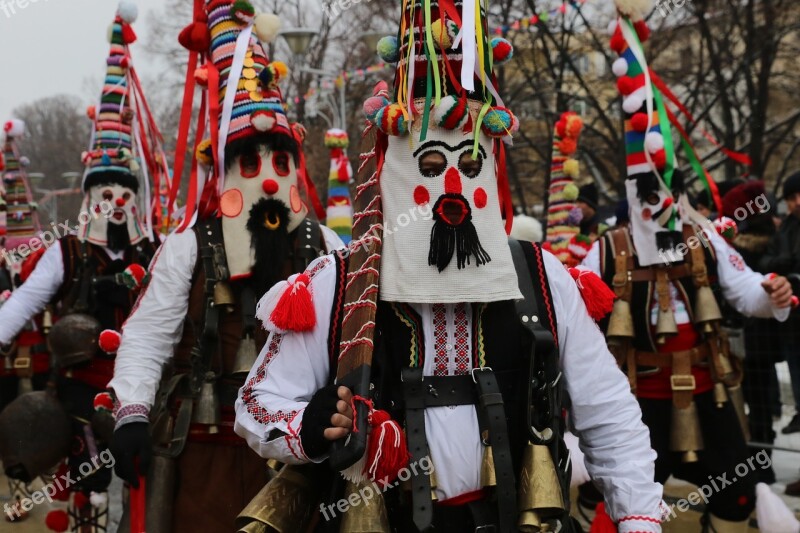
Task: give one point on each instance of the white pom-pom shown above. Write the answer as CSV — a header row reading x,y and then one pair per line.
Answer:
x,y
612,27
772,513
267,26
98,499
634,101
24,162
14,128
654,142
128,11
636,10
526,228
619,67
445,105
262,121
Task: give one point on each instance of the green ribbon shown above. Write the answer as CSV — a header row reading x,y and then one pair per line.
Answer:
x,y
477,131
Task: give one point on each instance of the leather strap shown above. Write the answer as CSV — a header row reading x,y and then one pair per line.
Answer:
x,y
696,355
492,413
442,391
308,245
682,381
414,397
650,274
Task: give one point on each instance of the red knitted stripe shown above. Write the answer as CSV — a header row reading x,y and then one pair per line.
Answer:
x,y
545,293
642,518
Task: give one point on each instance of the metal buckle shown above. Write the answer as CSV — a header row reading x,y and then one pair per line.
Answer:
x,y
481,369
21,363
682,382
488,528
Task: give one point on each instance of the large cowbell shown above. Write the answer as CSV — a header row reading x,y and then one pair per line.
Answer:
x,y
73,339
34,435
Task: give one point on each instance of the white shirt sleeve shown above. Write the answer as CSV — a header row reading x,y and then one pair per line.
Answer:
x,y
154,327
332,240
291,367
606,416
741,287
592,259
33,295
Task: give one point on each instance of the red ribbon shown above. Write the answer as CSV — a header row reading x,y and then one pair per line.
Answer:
x,y
138,505
739,157
503,187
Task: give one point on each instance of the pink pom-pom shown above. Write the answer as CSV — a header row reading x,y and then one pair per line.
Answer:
x,y
599,299
57,520
109,341
295,309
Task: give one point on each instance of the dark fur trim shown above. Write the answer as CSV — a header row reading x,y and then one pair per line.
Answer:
x,y
111,177
752,242
255,143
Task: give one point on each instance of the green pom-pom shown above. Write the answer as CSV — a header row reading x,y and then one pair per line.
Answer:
x,y
243,11
388,50
570,192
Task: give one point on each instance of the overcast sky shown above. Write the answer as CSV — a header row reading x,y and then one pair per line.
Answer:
x,y
53,47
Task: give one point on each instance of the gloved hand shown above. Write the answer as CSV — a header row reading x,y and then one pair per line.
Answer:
x,y
328,417
132,450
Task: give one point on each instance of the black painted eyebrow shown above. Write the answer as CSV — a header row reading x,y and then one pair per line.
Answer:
x,y
430,144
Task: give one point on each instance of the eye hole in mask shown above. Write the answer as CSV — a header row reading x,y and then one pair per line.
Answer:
x,y
432,164
280,162
250,164
470,167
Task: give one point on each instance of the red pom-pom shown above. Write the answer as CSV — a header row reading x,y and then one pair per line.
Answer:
x,y
128,35
125,62
660,159
561,128
136,273
567,145
194,37
103,401
642,30
639,122
626,85
599,299
387,452
501,50
109,341
617,42
602,523
57,520
80,500
295,309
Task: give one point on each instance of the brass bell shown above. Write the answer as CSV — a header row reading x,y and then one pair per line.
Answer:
x,y
720,394
246,356
434,484
488,476
685,433
737,399
47,321
706,309
207,410
286,504
24,386
369,515
665,326
540,489
621,322
223,296
529,522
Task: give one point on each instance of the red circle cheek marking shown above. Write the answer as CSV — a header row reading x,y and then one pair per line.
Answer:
x,y
646,214
270,186
480,198
296,203
231,203
421,195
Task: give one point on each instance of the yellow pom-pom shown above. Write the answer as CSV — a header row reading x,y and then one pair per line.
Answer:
x,y
571,168
440,35
280,69
570,192
204,153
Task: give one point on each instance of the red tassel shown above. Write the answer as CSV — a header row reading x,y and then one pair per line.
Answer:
x,y
295,309
599,299
128,35
57,520
602,523
387,452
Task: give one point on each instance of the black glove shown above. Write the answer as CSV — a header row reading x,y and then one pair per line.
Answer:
x,y
316,419
129,443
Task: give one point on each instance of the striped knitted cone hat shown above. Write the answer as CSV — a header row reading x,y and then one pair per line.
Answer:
x,y
22,220
340,208
563,216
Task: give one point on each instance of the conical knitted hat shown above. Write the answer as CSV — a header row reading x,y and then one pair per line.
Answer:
x,y
340,209
22,221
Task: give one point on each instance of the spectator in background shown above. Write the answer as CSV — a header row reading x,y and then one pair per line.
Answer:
x,y
703,203
762,347
587,202
783,257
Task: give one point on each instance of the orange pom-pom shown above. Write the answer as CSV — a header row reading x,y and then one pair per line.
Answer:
x,y
109,341
295,309
57,520
567,146
91,112
574,125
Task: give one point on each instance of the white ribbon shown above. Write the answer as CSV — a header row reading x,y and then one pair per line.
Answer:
x,y
242,43
468,44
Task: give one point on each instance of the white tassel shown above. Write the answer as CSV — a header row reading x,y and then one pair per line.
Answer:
x,y
355,473
772,513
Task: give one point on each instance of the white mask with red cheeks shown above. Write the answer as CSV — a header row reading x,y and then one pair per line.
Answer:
x,y
445,240
654,241
109,204
251,177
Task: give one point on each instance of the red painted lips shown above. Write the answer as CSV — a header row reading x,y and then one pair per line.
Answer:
x,y
453,211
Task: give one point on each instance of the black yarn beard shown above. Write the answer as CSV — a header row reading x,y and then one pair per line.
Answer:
x,y
117,236
272,247
461,240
